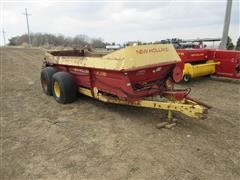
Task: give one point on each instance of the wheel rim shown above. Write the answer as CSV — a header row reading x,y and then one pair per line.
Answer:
x,y
56,89
186,78
44,84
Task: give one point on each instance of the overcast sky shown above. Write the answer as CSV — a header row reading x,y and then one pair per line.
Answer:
x,y
121,21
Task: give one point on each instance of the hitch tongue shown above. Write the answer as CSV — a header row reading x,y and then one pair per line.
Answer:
x,y
199,102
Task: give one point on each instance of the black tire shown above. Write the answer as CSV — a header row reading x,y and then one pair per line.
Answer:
x,y
46,80
187,78
64,88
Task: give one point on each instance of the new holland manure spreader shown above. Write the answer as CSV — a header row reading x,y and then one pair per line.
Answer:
x,y
132,76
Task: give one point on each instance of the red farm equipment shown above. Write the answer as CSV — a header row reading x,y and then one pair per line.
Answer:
x,y
203,62
132,76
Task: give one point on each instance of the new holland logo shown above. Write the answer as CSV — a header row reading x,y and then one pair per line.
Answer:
x,y
151,50
81,70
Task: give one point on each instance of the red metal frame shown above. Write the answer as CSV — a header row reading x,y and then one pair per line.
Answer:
x,y
128,85
229,63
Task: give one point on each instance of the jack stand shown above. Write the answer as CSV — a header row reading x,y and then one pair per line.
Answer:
x,y
169,123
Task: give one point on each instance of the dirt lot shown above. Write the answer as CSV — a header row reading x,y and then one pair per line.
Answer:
x,y
41,139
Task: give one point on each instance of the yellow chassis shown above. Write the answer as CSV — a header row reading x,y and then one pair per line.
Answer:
x,y
187,107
